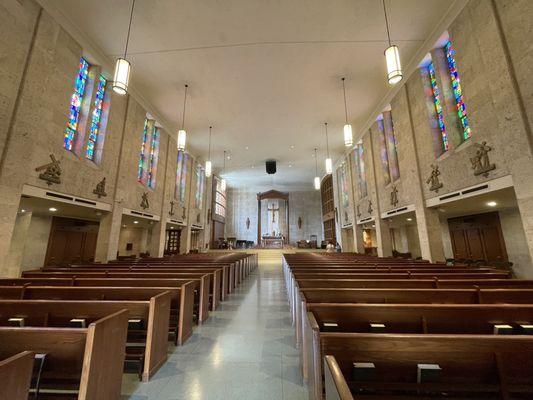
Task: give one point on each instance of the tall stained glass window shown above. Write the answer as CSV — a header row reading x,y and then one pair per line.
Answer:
x,y
457,90
200,186
359,155
438,106
147,167
390,137
181,175
75,105
96,118
220,198
342,181
383,151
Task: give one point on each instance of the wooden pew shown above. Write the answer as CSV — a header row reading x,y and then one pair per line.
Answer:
x,y
472,367
154,314
217,289
182,300
89,359
15,376
202,283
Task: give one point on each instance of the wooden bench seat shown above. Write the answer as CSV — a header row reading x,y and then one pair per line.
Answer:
x,y
471,367
92,356
15,376
181,304
153,314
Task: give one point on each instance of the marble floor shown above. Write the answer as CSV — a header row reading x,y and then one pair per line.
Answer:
x,y
244,351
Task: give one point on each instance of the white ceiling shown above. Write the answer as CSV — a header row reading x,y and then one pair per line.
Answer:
x,y
265,73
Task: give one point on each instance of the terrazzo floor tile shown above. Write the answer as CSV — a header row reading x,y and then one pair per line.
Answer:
x,y
245,350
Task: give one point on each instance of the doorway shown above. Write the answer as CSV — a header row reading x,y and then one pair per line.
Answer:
x,y
478,237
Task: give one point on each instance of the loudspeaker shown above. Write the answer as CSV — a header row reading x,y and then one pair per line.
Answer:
x,y
270,167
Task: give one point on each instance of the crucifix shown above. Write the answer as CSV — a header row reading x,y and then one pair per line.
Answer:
x,y
273,210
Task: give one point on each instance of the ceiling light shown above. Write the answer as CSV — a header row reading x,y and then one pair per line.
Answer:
x,y
317,179
292,146
409,219
23,211
492,204
182,134
121,78
135,222
348,136
208,162
290,165
124,225
392,56
246,148
329,163
253,166
171,227
53,209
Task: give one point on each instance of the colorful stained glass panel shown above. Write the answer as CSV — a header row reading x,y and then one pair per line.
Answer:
x,y
75,105
457,90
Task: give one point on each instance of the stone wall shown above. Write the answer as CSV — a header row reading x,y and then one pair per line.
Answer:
x,y
242,204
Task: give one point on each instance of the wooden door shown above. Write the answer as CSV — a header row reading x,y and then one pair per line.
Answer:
x,y
173,241
478,237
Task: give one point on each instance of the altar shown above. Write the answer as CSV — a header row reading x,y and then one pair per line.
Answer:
x,y
272,242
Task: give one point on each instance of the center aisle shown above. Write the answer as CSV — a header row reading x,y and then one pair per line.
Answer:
x,y
244,351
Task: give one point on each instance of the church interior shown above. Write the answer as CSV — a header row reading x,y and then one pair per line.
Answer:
x,y
284,200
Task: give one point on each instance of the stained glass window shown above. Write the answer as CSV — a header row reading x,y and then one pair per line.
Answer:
x,y
359,154
383,152
390,137
75,105
154,152
342,180
181,175
147,167
220,198
142,157
200,186
438,105
96,118
457,90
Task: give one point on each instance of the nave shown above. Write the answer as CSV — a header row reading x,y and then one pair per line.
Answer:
x,y
246,350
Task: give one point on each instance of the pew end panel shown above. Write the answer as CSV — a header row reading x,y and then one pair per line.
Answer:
x,y
15,376
186,313
101,377
157,334
334,382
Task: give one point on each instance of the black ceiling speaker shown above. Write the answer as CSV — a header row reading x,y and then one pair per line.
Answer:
x,y
270,167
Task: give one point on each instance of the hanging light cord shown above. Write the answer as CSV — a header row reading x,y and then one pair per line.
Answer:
x,y
129,29
184,104
327,140
316,164
386,21
209,151
345,107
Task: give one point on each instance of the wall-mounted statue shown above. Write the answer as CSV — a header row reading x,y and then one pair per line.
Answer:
x,y
433,181
198,218
394,196
481,162
247,223
100,189
171,211
52,171
358,212
370,207
300,222
144,201
183,212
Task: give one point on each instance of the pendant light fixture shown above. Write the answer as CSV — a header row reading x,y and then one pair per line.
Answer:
x,y
317,178
208,166
329,163
121,78
223,181
182,134
348,136
392,56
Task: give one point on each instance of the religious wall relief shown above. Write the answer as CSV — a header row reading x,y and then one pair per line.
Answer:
x,y
394,196
299,222
144,201
433,181
51,171
481,162
247,223
100,189
370,209
171,211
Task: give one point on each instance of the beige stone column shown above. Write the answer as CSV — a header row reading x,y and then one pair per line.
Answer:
x,y
10,199
157,242
358,238
13,262
429,234
109,235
